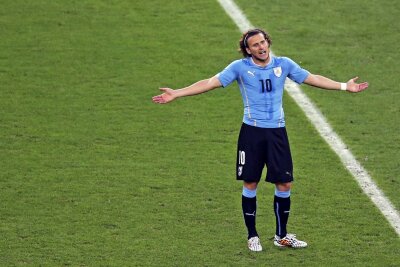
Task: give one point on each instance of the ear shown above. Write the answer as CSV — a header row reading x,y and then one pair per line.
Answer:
x,y
248,51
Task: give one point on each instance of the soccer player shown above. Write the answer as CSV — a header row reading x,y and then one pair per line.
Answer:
x,y
262,139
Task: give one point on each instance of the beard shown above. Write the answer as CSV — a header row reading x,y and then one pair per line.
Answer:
x,y
261,59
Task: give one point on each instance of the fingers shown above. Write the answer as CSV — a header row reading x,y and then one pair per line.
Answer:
x,y
158,99
355,88
363,86
167,96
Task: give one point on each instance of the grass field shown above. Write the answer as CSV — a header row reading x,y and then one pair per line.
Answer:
x,y
94,174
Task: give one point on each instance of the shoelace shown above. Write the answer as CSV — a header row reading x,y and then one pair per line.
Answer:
x,y
290,236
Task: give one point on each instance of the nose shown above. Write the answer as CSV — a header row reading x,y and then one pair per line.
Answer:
x,y
265,46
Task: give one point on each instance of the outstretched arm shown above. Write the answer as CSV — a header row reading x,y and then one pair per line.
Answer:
x,y
326,83
194,89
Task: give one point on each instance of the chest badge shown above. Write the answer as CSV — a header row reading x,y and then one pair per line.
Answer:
x,y
278,71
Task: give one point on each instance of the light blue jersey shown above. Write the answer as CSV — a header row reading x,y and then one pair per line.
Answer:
x,y
262,88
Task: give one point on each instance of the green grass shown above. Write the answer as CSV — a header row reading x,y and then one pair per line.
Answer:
x,y
94,174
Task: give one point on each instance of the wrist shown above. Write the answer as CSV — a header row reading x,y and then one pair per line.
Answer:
x,y
343,86
178,93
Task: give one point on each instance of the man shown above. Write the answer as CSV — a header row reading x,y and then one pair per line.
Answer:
x,y
262,139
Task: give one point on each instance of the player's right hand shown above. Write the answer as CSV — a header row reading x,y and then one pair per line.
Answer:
x,y
166,97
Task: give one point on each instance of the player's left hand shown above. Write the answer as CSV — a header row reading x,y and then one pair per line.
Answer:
x,y
354,87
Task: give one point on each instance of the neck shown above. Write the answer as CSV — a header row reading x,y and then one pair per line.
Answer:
x,y
260,62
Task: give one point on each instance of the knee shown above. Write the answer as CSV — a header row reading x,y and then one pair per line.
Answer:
x,y
250,186
283,186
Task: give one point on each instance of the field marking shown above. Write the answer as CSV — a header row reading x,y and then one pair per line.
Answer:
x,y
325,130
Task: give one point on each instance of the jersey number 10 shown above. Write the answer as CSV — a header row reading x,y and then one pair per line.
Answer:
x,y
242,157
266,85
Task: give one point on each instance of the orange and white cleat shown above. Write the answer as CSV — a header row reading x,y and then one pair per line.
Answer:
x,y
289,240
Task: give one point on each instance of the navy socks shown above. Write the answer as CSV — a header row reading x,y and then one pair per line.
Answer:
x,y
249,207
282,210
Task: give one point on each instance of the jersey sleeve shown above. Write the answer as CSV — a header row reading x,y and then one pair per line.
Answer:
x,y
296,73
229,74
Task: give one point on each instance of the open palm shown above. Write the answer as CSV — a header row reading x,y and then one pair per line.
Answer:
x,y
165,97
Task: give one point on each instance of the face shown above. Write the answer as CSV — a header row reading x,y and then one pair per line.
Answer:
x,y
258,48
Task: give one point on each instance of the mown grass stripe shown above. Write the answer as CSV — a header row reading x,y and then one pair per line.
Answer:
x,y
326,131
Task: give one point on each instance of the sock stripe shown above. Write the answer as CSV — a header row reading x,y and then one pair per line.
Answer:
x,y
278,219
282,194
249,193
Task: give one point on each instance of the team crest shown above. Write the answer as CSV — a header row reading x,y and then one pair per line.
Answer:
x,y
278,71
240,170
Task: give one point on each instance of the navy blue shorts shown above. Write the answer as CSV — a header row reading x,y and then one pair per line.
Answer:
x,y
259,147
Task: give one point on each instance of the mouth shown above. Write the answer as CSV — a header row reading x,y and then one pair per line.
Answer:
x,y
262,52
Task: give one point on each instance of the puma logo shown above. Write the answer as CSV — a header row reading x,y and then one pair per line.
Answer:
x,y
251,214
251,73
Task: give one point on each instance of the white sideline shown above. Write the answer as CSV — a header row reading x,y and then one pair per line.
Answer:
x,y
325,130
